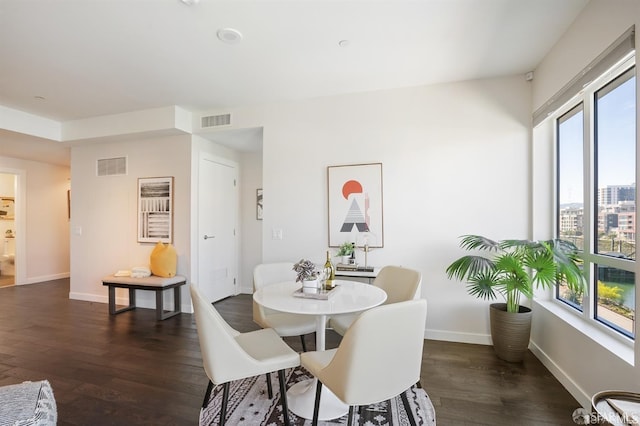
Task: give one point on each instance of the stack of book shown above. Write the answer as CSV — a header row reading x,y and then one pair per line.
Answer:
x,y
353,267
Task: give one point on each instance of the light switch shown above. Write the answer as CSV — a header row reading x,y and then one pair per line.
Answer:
x,y
276,233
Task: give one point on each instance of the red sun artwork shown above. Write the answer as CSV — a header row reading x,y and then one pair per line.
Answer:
x,y
351,187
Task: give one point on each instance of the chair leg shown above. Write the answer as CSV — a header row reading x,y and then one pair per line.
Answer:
x,y
269,388
283,397
316,404
418,384
350,420
207,394
304,345
225,399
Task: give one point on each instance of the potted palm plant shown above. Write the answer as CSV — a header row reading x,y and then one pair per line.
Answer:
x,y
513,269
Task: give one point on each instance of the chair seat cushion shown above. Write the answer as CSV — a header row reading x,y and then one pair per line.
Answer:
x,y
340,323
314,361
291,324
28,404
266,346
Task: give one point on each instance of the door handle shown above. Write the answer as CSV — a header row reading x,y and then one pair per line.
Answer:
x,y
206,237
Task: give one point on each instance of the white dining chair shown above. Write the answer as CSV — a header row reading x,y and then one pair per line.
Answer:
x,y
379,357
285,324
229,355
399,283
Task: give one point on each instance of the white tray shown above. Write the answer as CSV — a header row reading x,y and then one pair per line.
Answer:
x,y
315,293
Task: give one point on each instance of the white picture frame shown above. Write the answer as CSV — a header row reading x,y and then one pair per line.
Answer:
x,y
355,205
155,209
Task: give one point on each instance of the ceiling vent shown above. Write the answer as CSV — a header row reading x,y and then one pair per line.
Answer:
x,y
112,166
215,121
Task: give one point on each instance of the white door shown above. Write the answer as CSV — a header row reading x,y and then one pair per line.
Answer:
x,y
217,218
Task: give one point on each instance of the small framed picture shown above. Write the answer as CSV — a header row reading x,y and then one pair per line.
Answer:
x,y
259,204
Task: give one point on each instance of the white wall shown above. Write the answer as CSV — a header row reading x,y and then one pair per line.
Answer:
x,y
455,161
582,364
42,223
103,222
251,253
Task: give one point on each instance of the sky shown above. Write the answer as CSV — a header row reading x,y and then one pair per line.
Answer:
x,y
616,144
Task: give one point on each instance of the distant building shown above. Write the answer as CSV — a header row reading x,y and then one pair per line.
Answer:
x,y
613,194
571,221
616,214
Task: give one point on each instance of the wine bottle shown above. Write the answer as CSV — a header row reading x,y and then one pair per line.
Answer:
x,y
329,272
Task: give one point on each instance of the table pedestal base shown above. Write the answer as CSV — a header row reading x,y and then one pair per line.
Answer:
x,y
301,398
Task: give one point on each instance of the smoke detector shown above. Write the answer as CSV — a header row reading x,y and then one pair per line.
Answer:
x,y
229,35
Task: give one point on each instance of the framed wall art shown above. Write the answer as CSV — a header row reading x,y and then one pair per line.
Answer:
x,y
355,204
155,209
259,204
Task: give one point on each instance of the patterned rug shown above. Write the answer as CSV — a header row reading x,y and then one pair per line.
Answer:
x,y
249,405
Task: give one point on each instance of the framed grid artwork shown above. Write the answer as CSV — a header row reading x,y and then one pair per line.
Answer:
x,y
155,209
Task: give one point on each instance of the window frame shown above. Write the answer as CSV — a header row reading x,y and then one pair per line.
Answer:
x,y
587,98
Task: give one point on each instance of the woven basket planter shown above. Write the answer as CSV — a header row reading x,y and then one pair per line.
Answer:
x,y
510,331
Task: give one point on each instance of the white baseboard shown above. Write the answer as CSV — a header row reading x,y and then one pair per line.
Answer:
x,y
580,395
88,297
43,278
451,336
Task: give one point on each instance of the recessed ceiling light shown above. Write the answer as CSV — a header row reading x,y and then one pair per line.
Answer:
x,y
39,98
229,35
189,2
343,43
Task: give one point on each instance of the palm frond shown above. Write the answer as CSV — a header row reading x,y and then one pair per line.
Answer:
x,y
527,244
517,267
511,264
478,242
482,285
468,266
543,266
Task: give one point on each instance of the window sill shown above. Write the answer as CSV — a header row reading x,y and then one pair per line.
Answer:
x,y
620,347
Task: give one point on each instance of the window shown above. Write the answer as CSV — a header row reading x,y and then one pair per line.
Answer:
x,y
570,188
615,183
596,195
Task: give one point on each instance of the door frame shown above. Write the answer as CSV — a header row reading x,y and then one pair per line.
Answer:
x,y
20,222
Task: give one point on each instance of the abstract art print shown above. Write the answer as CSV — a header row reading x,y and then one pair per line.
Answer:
x,y
355,205
155,209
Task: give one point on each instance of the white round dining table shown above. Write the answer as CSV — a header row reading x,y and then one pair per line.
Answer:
x,y
349,296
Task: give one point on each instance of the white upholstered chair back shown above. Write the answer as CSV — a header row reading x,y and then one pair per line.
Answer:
x,y
223,358
399,283
379,357
265,274
229,355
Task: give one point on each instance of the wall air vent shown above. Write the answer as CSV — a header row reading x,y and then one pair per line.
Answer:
x,y
215,121
112,166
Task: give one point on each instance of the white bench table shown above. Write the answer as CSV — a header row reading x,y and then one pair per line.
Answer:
x,y
152,283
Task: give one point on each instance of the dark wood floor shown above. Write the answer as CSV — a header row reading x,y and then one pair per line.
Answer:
x,y
131,370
